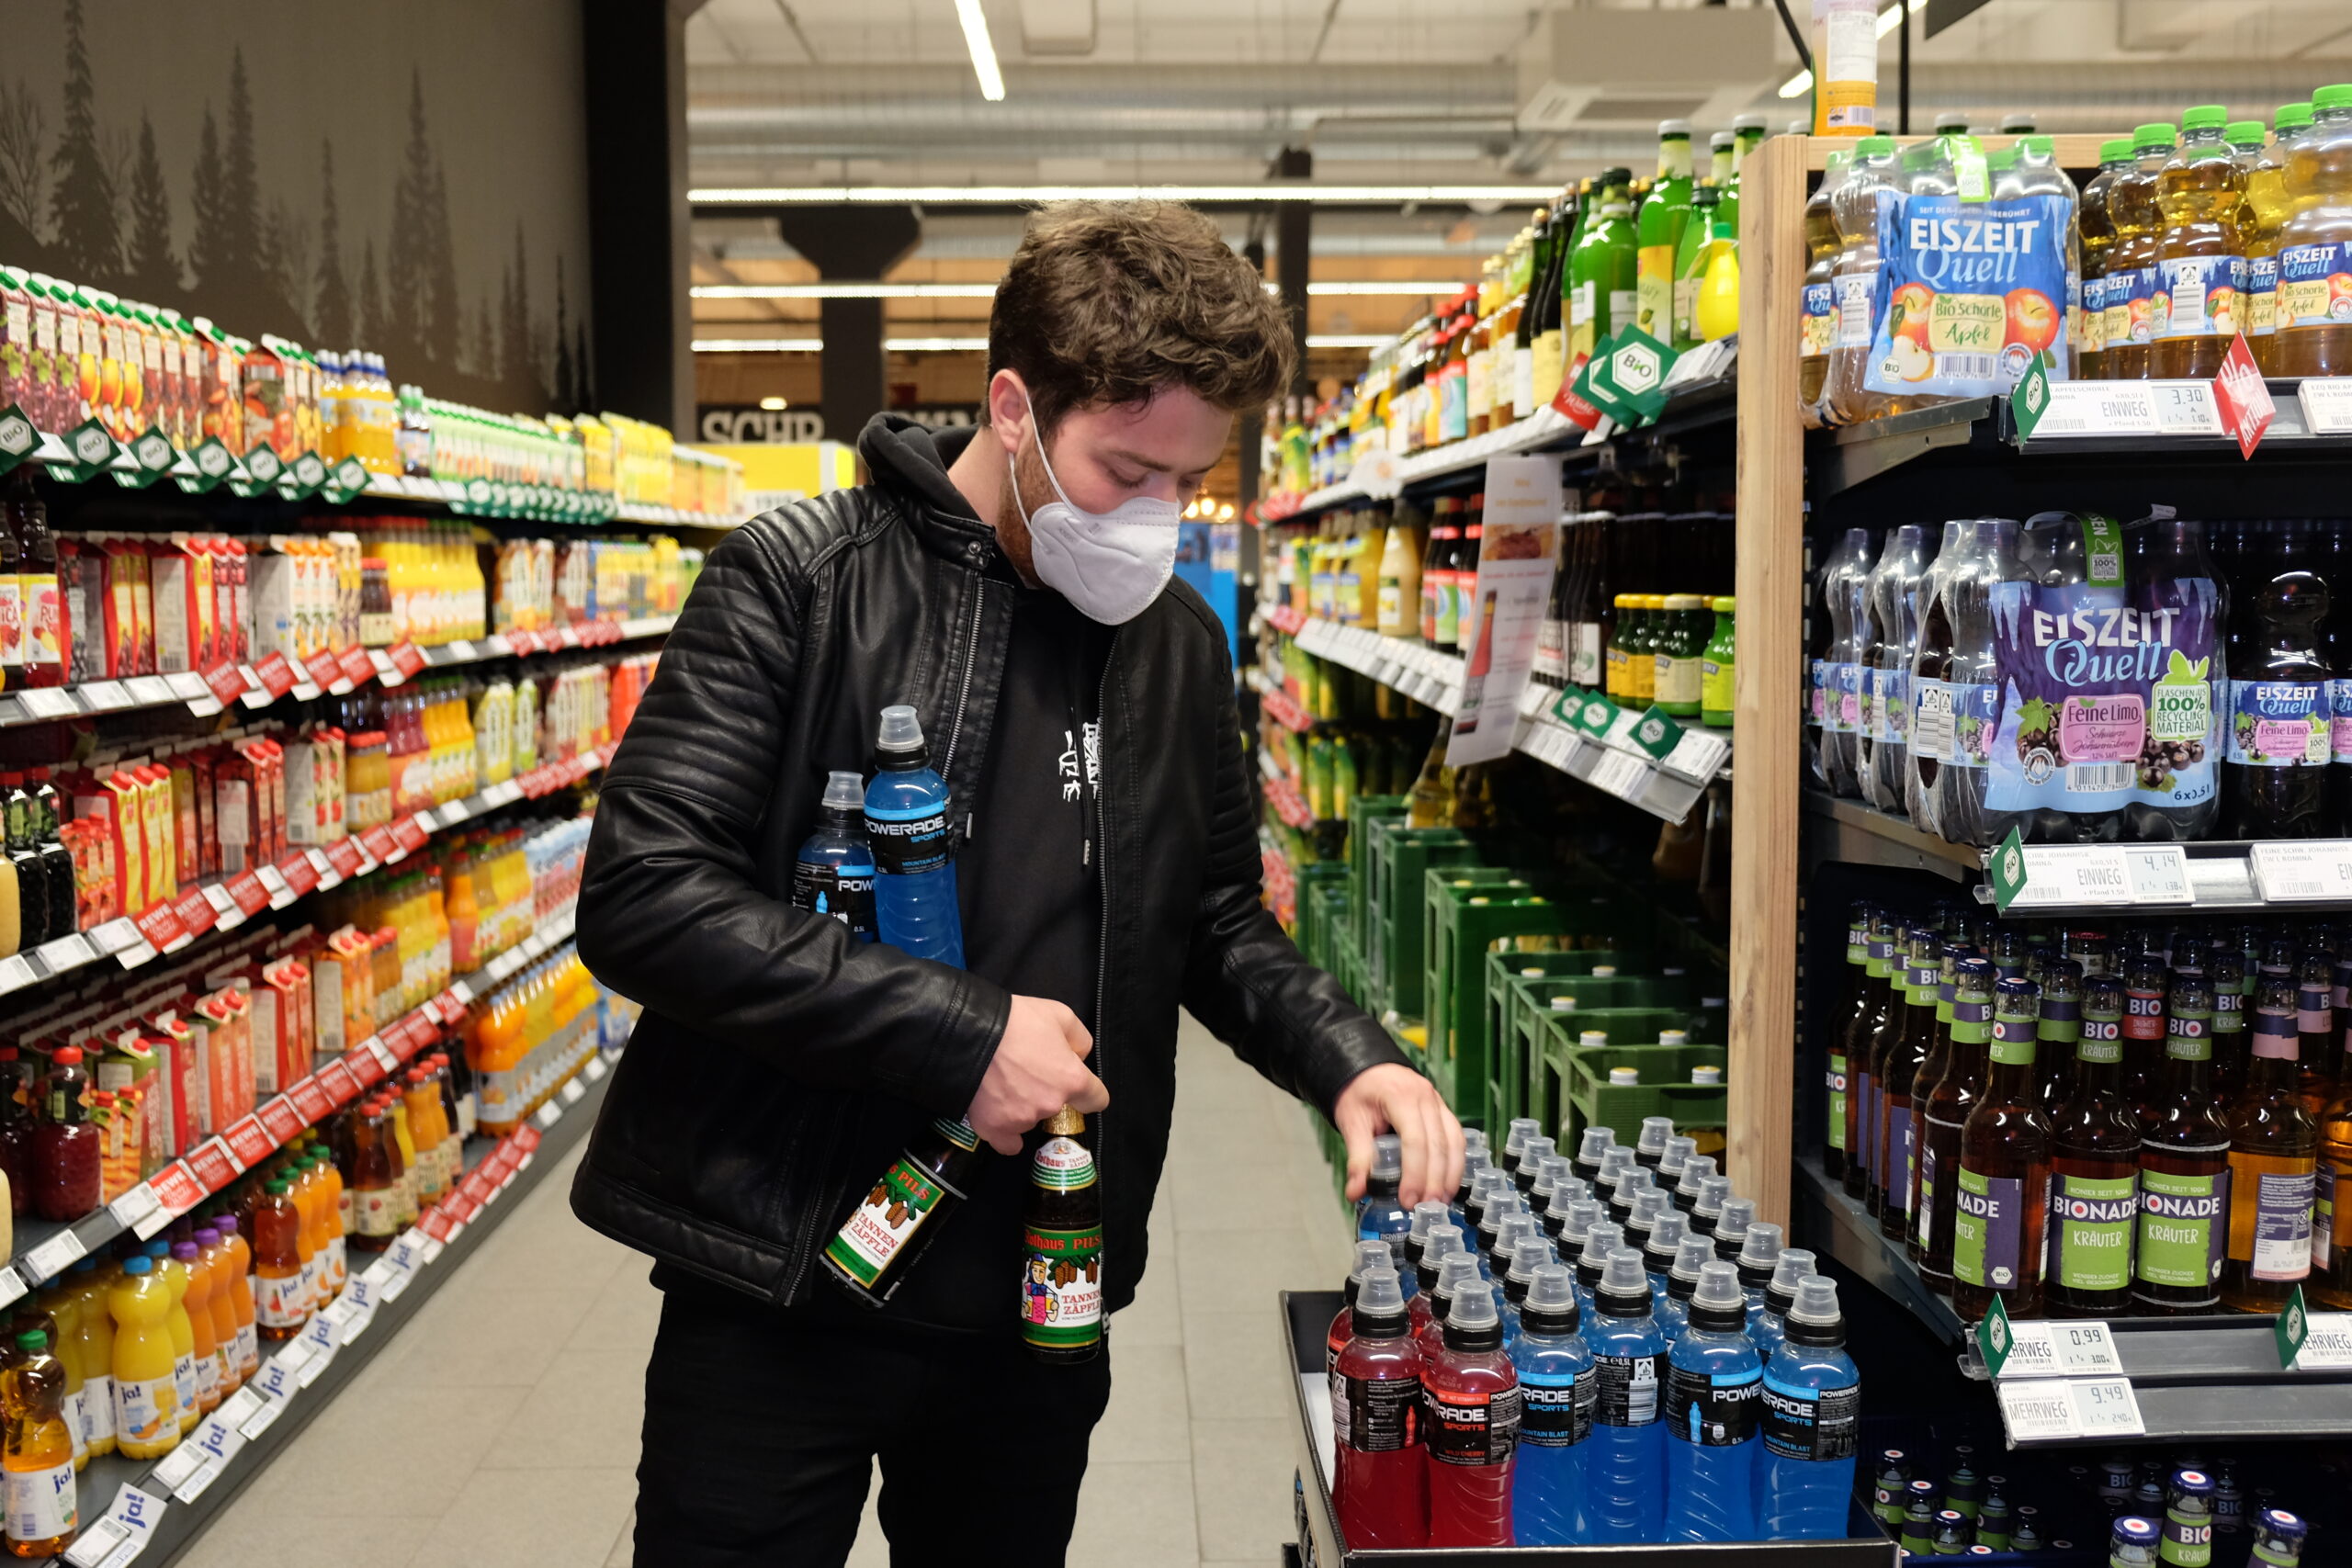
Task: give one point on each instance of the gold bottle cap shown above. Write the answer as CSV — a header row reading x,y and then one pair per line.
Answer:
x,y
1066,1124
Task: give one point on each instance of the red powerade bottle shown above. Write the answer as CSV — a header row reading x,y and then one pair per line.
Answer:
x,y
1380,1485
1470,1413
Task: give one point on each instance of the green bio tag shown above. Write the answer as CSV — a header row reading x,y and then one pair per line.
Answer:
x,y
91,450
1637,368
212,464
2292,1327
2007,868
2029,401
19,437
2102,550
1589,713
1994,1338
1599,389
1657,735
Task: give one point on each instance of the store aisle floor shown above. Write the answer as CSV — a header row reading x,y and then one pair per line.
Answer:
x,y
513,1397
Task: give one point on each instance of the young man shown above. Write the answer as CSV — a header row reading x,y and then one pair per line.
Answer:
x,y
1013,584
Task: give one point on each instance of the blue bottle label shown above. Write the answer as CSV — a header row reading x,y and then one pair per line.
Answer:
x,y
1556,1412
1715,1410
1629,1389
843,893
912,844
1803,1421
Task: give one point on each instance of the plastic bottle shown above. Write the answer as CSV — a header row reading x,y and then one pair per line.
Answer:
x,y
1692,1253
1601,1239
1456,1269
1870,179
64,1318
1812,1416
93,1343
2096,226
1526,1253
1379,1217
2266,210
1731,1227
1370,1255
2315,244
1839,593
198,1303
1380,1481
240,1293
37,1453
1420,1303
66,1145
1959,629
1714,1385
1887,642
2128,354
220,1310
146,1399
1767,1324
1559,1389
907,811
1471,1403
1820,294
277,1264
182,1332
1659,1249
2200,266
1625,1474
835,872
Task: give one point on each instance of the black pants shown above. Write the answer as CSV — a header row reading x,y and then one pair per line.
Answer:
x,y
761,1429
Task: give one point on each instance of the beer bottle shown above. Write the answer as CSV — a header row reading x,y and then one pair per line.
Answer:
x,y
2004,1198
1923,1080
1061,1247
1901,1040
2144,982
2273,1153
1862,990
2315,1024
2094,1170
2331,1261
2090,949
2059,1030
2184,1169
898,1216
1883,966
1946,1114
2227,967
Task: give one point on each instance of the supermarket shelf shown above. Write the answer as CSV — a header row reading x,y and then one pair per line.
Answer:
x,y
2213,876
1847,830
258,686
179,1497
44,1249
1282,794
225,903
1829,1222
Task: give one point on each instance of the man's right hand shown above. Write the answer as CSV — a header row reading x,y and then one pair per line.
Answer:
x,y
1039,1068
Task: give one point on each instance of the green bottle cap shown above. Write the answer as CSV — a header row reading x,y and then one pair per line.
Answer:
x,y
2117,149
2246,134
276,1189
1726,606
1874,146
2153,135
2204,116
2337,96
2040,146
2292,117
32,1339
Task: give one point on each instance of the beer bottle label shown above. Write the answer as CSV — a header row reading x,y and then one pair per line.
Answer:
x,y
2093,1215
1713,1410
1556,1412
1468,1428
1061,1286
1988,1229
1376,1415
1837,1100
2323,1218
1802,1422
2181,1228
883,1222
1629,1389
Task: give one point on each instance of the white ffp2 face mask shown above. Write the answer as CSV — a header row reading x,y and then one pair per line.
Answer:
x,y
1111,565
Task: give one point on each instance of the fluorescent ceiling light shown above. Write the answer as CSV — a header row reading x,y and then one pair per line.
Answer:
x,y
975,38
1349,340
1888,20
964,345
934,344
942,196
1407,287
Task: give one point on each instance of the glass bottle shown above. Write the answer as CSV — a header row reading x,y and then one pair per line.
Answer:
x,y
2094,1164
2330,1279
1884,971
2145,983
2184,1169
1717,665
2226,968
1888,1172
2316,1048
2005,1170
1603,270
1666,212
2274,1154
1912,1075
1945,1116
887,1233
2060,1028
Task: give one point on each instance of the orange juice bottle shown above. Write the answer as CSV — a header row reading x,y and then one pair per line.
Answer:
x,y
37,1453
375,1179
334,1222
310,1235
228,1373
146,1400
424,1108
240,1293
94,1347
490,1051
198,1304
174,1274
412,1179
277,1263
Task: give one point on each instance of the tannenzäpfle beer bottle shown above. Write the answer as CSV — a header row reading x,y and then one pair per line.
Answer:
x,y
896,1220
1061,1247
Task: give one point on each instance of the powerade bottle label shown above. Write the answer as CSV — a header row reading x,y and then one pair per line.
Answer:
x,y
1629,1389
1470,1427
2280,724
844,893
1987,1234
886,1218
1811,1423
1713,1410
2091,1221
1556,1413
2315,286
2182,1228
1377,1414
908,843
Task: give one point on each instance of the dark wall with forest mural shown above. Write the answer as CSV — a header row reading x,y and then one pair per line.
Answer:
x,y
402,175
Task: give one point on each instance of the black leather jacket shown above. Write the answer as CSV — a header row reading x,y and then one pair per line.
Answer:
x,y
779,1066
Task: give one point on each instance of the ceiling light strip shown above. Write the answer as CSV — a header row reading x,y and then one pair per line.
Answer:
x,y
1000,196
962,345
1399,288
975,38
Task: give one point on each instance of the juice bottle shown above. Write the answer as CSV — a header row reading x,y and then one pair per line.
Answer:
x,y
2314,336
240,1265
183,1333
2127,354
1820,296
308,1192
334,1270
1471,1400
1715,312
1871,180
1380,1483
57,1332
38,1452
94,1348
229,1373
277,1263
2200,264
146,1402
1603,269
2097,226
412,1179
375,1213
1659,232
198,1304
66,1147
2267,207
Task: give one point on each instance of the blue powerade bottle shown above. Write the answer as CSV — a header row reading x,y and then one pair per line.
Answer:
x,y
834,875
1812,1397
1625,1474
1714,1390
914,855
1379,1216
1558,1387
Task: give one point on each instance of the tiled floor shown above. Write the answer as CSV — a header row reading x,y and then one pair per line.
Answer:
x,y
501,1427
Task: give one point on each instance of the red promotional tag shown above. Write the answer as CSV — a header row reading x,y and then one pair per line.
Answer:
x,y
2246,405
526,1137
160,924
345,856
461,1208
1581,415
227,681
177,1188
364,1067
196,911
436,1223
378,843
279,1117
339,1079
522,641
277,675
249,1141
311,1098
300,875
408,833
214,1166
250,895
451,1008
324,668
405,657
355,665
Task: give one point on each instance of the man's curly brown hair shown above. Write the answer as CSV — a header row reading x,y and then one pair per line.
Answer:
x,y
1109,302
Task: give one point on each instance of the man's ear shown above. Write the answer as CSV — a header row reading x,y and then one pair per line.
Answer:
x,y
1008,411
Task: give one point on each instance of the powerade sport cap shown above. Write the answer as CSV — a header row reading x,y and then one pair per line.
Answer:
x,y
898,742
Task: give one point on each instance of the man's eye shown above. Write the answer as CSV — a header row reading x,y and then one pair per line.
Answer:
x,y
1127,481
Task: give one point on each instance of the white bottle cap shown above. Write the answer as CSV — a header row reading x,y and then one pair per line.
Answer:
x,y
1624,1077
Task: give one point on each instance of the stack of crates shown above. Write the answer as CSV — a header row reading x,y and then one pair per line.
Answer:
x,y
1367,815
1398,860
1467,910
1572,1053
1520,985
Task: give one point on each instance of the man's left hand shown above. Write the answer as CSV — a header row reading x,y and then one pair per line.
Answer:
x,y
1393,1099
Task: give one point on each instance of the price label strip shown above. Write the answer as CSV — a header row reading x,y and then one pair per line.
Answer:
x,y
2311,869
2327,1345
2055,1349
2064,1409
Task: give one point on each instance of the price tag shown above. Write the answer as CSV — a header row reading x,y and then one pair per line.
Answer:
x,y
198,1485
386,1058
409,832
101,696
2185,408
297,873
218,1438
2328,1345
460,652
550,1114
2074,874
396,1285
249,1141
323,668
16,971
177,1189
52,1257
355,1324
2060,1348
2036,1409
95,1546
115,935
345,857
2327,405
240,1406
213,1164
2289,870
406,658
355,665
2100,408
48,702
407,1249
339,1080
134,1206
12,1285
262,1420
276,676
281,1118
175,1468
595,1069
573,1091
159,926
2105,1407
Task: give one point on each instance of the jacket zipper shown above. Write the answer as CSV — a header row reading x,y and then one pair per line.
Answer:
x,y
964,692
1103,934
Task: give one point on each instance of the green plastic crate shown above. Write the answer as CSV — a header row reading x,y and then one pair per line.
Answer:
x,y
1666,1088
1510,978
1400,858
1322,911
1468,910
1363,814
1546,1036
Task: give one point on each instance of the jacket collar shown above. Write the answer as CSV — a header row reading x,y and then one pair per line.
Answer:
x,y
910,462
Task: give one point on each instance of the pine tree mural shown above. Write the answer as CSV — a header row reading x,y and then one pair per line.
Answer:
x,y
331,316
154,271
87,246
209,249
